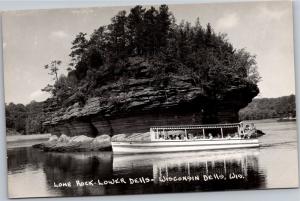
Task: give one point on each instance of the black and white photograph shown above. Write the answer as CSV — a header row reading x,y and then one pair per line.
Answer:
x,y
147,99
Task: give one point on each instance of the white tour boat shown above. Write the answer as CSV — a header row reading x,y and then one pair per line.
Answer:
x,y
192,138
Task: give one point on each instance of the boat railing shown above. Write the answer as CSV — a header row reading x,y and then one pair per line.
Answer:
x,y
183,132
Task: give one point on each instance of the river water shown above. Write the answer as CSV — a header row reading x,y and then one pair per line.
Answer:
x,y
33,173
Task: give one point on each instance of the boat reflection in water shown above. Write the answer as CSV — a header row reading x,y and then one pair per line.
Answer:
x,y
36,172
196,171
32,173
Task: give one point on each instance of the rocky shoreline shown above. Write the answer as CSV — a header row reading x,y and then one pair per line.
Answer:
x,y
84,143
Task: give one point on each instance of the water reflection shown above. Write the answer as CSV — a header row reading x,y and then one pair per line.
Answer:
x,y
45,169
197,171
49,168
70,167
32,173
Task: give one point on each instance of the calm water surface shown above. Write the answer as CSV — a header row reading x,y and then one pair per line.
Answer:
x,y
33,173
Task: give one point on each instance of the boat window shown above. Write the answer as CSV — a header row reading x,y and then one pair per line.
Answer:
x,y
207,133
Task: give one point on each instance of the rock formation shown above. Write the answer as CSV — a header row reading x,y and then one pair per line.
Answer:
x,y
79,143
132,106
83,143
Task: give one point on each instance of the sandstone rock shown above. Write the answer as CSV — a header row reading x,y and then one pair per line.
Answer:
x,y
81,139
47,146
102,142
118,138
73,146
146,102
53,138
77,143
63,138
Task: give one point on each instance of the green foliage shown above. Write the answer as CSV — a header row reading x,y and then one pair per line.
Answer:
x,y
53,68
135,24
15,115
143,44
35,118
25,119
63,88
172,49
79,46
266,108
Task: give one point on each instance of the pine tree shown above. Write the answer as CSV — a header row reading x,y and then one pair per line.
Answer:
x,y
118,35
79,46
151,31
135,26
164,22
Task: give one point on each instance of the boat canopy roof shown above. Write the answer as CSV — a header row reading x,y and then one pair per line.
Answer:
x,y
189,127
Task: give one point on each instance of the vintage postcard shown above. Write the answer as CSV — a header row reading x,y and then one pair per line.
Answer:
x,y
150,99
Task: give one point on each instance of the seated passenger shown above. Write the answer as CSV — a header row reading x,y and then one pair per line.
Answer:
x,y
228,137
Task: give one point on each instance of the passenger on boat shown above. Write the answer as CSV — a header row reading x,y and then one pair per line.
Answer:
x,y
235,135
210,136
180,137
228,137
190,136
201,137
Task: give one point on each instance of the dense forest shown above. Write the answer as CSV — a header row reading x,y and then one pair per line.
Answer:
x,y
267,108
153,34
24,119
103,58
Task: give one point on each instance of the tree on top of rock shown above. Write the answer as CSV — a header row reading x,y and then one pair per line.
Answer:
x,y
152,37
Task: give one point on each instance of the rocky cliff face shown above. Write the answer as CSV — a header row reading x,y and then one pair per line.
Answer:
x,y
133,105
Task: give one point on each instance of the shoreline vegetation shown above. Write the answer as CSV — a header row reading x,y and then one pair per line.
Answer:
x,y
142,62
283,107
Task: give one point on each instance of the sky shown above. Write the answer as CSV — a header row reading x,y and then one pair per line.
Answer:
x,y
33,38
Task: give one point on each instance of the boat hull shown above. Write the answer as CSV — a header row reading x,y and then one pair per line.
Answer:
x,y
180,146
